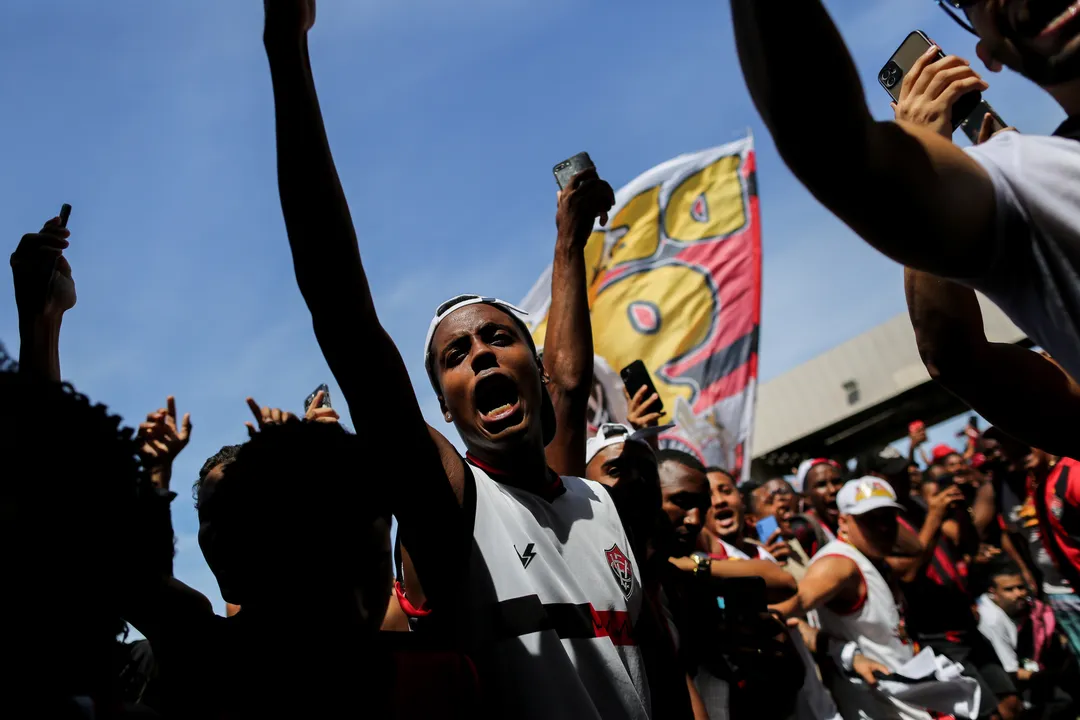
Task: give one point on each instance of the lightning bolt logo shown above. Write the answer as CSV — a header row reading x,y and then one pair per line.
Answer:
x,y
526,556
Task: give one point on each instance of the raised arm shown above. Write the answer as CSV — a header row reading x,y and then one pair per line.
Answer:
x,y
360,353
906,190
1025,394
44,291
568,346
908,567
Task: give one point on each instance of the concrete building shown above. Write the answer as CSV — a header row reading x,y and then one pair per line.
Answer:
x,y
861,393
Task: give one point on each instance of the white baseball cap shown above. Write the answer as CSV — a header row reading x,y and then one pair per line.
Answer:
x,y
866,494
456,303
615,433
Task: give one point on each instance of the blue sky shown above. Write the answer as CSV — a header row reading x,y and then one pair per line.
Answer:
x,y
154,120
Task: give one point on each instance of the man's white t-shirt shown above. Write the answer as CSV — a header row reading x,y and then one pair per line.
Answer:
x,y
1034,276
1001,631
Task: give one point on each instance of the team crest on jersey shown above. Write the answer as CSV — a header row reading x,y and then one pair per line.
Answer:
x,y
1057,508
621,569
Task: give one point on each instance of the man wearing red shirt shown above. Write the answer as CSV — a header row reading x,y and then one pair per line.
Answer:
x,y
1057,504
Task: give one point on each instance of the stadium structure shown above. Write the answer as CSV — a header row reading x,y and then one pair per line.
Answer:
x,y
859,394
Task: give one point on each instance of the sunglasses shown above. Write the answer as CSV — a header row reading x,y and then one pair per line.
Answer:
x,y
955,10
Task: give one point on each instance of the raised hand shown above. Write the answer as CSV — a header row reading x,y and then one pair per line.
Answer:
x,y
315,413
932,87
43,282
266,416
162,440
945,500
586,198
638,414
288,18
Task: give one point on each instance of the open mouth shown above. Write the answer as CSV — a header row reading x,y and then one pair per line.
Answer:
x,y
784,514
496,398
726,520
830,507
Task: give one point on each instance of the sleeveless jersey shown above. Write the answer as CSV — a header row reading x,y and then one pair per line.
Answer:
x,y
554,597
876,624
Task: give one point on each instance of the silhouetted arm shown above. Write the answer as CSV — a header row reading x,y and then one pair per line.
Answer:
x,y
360,353
1025,394
906,190
568,345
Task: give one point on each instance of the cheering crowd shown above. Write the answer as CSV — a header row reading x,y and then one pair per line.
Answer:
x,y
548,573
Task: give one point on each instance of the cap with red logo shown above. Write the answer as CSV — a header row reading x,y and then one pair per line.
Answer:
x,y
864,495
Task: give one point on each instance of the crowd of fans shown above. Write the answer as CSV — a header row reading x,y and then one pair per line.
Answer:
x,y
550,574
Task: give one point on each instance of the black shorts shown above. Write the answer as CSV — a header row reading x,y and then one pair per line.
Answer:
x,y
980,662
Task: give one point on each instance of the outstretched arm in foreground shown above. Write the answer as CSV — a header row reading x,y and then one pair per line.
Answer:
x,y
1025,394
568,348
906,190
360,353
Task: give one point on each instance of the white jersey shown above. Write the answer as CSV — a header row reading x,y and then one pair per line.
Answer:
x,y
1034,272
555,594
876,623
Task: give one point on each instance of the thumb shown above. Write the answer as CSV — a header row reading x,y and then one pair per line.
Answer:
x,y
986,130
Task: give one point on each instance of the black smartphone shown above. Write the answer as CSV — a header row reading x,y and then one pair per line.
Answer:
x,y
634,377
567,169
972,124
891,77
65,213
944,481
311,398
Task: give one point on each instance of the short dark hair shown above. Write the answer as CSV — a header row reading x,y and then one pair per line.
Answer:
x,y
1000,566
224,456
747,489
271,515
678,456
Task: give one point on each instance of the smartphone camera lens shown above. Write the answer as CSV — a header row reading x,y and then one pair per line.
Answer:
x,y
890,75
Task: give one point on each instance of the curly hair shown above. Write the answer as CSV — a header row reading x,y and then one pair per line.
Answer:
x,y
81,525
224,456
296,501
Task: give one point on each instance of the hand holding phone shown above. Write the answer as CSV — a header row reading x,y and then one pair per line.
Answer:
x,y
325,402
909,77
567,169
635,376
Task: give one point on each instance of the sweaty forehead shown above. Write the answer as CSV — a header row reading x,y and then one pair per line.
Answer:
x,y
469,319
775,485
721,481
675,474
822,472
